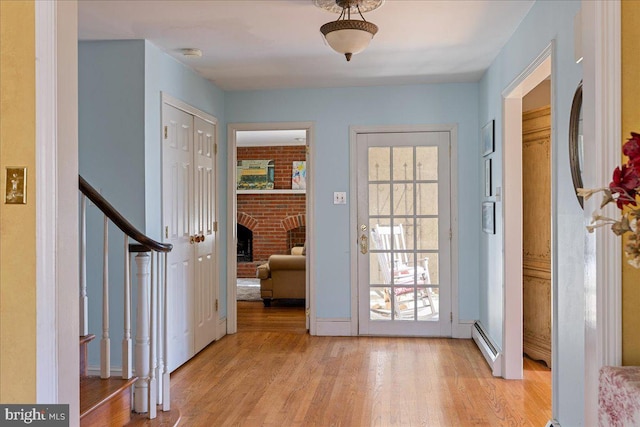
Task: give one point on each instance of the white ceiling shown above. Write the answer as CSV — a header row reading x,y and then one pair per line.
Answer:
x,y
268,44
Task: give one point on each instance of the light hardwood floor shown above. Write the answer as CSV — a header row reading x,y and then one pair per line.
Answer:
x,y
272,373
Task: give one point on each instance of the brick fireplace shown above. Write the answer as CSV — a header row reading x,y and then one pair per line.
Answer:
x,y
275,221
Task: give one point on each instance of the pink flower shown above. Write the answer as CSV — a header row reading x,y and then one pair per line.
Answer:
x,y
625,181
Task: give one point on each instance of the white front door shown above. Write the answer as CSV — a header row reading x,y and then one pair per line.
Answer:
x,y
188,201
404,225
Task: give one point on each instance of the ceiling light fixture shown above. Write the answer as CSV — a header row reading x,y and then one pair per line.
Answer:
x,y
345,35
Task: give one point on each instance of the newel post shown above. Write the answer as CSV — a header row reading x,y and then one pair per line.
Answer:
x,y
142,346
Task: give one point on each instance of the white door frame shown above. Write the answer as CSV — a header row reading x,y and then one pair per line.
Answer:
x,y
512,96
232,214
456,329
602,101
57,263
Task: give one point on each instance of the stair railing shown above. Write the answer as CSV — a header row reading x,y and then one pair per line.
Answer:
x,y
152,387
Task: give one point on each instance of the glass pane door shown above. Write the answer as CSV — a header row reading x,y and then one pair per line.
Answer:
x,y
404,222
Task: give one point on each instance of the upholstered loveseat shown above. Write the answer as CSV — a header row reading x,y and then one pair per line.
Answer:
x,y
283,277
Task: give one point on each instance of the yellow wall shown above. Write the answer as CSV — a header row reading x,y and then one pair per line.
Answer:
x,y
17,222
630,122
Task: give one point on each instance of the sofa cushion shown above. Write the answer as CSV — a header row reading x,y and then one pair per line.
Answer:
x,y
287,262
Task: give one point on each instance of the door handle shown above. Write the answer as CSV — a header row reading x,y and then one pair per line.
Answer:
x,y
192,239
364,244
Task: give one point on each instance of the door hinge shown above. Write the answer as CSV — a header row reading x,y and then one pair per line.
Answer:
x,y
215,226
215,148
166,132
166,232
451,316
308,312
216,304
450,234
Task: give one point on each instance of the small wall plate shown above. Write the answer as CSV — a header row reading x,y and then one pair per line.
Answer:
x,y
16,188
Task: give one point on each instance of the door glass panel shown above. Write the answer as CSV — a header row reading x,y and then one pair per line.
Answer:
x,y
427,199
380,303
427,233
428,261
426,163
403,233
378,270
403,198
427,304
403,163
379,199
379,163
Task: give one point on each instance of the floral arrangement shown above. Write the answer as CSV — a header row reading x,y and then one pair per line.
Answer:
x,y
623,190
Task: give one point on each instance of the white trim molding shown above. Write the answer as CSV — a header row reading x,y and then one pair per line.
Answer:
x,y
46,182
512,95
603,258
57,283
333,327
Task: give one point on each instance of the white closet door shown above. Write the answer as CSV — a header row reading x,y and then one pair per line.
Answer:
x,y
203,221
177,187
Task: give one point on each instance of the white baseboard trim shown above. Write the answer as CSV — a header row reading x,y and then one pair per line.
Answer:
x,y
462,329
488,349
94,371
222,328
333,327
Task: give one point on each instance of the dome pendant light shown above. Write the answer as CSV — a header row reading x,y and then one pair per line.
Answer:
x,y
349,36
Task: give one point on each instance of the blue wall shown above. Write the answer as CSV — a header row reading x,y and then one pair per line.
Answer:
x,y
333,111
545,22
120,84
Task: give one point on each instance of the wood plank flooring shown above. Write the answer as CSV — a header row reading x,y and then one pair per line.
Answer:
x,y
272,373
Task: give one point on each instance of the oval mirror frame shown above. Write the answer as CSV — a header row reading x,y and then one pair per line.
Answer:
x,y
575,142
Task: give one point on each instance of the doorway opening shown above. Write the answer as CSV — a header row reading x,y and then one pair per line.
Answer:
x,y
270,189
528,260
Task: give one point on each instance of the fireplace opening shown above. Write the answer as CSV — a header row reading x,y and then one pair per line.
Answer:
x,y
245,244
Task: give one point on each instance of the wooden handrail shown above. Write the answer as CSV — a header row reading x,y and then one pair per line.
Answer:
x,y
120,221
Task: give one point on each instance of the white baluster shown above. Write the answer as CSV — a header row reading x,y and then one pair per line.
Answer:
x,y
159,336
84,301
153,389
141,399
127,350
105,342
166,383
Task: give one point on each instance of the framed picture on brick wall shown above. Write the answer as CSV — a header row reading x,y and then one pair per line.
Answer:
x,y
256,174
299,175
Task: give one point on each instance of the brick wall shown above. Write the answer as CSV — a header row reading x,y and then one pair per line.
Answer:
x,y
276,220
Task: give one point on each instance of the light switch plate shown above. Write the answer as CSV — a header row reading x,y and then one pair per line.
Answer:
x,y
339,198
16,186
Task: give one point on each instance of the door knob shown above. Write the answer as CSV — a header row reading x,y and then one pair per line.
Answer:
x,y
192,239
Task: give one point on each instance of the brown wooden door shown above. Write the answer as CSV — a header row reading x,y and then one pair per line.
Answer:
x,y
536,244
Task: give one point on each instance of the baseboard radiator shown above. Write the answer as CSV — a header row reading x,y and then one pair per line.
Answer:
x,y
488,349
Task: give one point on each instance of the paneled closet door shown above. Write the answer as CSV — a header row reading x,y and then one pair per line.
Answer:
x,y
177,203
203,226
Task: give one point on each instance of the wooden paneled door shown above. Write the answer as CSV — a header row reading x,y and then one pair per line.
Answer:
x,y
536,243
188,215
